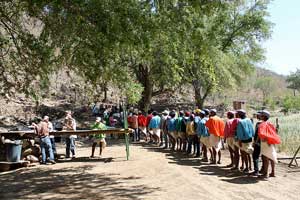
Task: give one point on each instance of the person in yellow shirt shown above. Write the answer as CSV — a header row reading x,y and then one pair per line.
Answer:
x,y
191,133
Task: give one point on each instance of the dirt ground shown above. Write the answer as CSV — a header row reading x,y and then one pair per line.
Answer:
x,y
151,173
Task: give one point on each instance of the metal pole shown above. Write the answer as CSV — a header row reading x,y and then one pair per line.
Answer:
x,y
126,127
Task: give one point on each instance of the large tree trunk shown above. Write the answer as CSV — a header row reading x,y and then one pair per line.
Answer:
x,y
199,97
143,76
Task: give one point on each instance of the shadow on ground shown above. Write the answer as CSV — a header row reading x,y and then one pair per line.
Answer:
x,y
70,183
180,158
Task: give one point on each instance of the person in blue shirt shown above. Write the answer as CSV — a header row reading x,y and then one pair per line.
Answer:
x,y
154,127
245,134
171,127
203,134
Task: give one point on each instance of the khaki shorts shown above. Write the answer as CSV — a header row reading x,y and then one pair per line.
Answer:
x,y
155,131
173,134
230,141
181,135
205,141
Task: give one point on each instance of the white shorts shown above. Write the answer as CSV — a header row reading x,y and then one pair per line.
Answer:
x,y
269,151
143,129
155,131
215,142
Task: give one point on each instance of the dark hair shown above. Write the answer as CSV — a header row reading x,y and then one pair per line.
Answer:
x,y
192,117
154,113
230,115
149,112
172,114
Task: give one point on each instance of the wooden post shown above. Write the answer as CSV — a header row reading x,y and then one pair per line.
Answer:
x,y
295,158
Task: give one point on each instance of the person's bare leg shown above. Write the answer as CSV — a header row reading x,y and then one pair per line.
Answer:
x,y
211,154
246,162
249,161
243,161
214,160
219,155
204,153
101,146
93,149
236,158
273,168
266,166
231,151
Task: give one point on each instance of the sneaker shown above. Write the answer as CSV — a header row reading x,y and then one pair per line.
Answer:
x,y
52,162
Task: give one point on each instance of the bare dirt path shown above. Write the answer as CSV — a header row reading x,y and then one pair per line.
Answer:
x,y
151,173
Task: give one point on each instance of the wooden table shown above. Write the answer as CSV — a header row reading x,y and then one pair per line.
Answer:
x,y
19,135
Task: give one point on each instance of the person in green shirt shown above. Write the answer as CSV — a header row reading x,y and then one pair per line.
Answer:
x,y
98,138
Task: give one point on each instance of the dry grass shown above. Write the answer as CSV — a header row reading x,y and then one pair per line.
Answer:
x,y
289,131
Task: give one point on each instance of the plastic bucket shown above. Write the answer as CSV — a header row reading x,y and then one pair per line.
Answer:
x,y
13,152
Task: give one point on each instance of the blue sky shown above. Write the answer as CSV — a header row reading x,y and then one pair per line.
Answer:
x,y
283,49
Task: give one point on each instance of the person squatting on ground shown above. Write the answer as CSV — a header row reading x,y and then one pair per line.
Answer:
x,y
229,134
269,138
70,125
154,127
215,126
245,134
42,130
98,138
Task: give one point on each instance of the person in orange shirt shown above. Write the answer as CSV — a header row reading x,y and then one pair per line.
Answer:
x,y
215,126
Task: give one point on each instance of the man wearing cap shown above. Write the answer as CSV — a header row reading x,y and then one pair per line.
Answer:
x,y
215,126
229,134
203,134
98,138
269,138
181,141
245,134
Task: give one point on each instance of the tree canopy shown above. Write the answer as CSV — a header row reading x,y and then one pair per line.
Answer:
x,y
143,47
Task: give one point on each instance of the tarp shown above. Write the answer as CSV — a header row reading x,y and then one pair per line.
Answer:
x,y
267,131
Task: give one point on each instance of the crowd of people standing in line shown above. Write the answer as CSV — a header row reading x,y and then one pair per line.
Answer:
x,y
203,132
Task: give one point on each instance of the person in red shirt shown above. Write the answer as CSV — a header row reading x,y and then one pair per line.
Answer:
x,y
148,119
142,120
135,126
229,134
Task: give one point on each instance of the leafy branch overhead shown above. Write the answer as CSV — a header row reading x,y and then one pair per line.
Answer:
x,y
143,47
